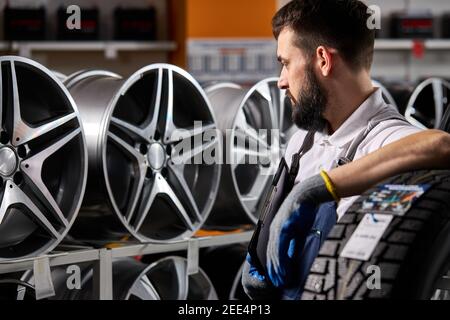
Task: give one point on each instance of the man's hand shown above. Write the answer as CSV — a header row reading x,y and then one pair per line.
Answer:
x,y
255,284
290,227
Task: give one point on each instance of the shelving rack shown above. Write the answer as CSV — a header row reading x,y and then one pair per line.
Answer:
x,y
110,48
408,44
103,257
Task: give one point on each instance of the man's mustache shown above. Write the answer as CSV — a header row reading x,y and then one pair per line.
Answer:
x,y
289,95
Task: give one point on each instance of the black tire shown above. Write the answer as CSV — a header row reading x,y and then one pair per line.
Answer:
x,y
413,254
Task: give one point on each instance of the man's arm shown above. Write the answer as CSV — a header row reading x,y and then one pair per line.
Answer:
x,y
429,149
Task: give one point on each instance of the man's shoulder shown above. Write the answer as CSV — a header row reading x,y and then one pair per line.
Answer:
x,y
388,126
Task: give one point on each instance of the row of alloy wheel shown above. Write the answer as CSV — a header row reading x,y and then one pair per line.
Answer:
x,y
99,154
111,152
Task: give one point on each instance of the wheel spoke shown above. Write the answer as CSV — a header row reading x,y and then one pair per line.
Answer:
x,y
146,203
141,168
147,132
164,188
160,186
131,129
1,97
22,132
170,126
137,192
183,186
239,155
266,92
181,134
151,129
144,290
14,196
140,159
253,137
32,168
250,201
182,279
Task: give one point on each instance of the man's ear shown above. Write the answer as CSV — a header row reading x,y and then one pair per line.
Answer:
x,y
324,60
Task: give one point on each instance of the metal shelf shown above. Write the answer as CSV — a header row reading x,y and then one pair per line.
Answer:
x,y
408,44
110,48
103,257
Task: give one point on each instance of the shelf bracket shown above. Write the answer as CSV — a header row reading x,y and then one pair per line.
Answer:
x,y
103,277
43,282
192,256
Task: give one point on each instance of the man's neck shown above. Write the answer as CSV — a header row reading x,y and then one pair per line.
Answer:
x,y
345,98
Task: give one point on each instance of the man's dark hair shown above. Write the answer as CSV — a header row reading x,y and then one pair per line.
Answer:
x,y
339,24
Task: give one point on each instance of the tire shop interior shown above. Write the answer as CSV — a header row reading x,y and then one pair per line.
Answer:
x,y
97,202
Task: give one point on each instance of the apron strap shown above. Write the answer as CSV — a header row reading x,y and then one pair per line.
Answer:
x,y
351,151
295,162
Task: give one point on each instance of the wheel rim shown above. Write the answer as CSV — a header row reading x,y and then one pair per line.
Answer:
x,y
168,279
44,159
165,199
432,91
164,279
263,107
61,77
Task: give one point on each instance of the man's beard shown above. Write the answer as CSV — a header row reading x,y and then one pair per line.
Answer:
x,y
307,113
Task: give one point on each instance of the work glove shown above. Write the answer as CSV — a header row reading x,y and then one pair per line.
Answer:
x,y
255,283
291,226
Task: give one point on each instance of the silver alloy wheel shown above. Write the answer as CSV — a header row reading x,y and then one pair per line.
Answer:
x,y
245,112
168,279
43,159
135,128
428,103
387,96
164,279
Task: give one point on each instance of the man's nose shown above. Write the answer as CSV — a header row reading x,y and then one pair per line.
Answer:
x,y
282,82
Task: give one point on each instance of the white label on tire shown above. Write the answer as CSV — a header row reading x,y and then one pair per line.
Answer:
x,y
366,236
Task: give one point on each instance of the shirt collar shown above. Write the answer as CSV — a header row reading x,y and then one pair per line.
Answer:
x,y
357,121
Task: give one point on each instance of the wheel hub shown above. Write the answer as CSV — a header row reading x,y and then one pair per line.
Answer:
x,y
156,156
8,161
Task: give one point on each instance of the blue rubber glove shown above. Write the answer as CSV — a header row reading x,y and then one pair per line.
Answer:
x,y
290,227
255,283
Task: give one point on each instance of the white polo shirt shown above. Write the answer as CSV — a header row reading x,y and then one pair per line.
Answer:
x,y
327,149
